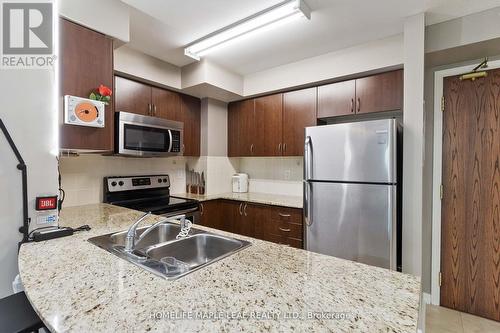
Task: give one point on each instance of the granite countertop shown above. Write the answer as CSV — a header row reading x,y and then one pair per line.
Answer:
x,y
261,198
75,286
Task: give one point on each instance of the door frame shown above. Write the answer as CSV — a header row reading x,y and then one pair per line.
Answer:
x,y
437,156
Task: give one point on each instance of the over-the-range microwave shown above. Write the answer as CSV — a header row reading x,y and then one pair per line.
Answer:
x,y
137,135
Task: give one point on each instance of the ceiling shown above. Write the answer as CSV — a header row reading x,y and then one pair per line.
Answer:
x,y
161,28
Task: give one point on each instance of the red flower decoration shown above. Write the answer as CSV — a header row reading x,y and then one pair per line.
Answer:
x,y
104,91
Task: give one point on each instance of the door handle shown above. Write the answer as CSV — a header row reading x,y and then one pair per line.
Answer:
x,y
284,215
352,105
359,104
149,109
245,209
284,147
251,148
240,208
201,209
284,230
279,147
154,109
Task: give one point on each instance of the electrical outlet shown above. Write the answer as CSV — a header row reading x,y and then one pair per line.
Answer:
x,y
287,174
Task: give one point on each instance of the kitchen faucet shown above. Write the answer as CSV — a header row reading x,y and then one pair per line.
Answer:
x,y
130,240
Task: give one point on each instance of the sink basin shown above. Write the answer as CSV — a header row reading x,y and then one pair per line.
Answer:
x,y
196,250
164,255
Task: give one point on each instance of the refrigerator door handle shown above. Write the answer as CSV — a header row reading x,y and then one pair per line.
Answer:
x,y
307,185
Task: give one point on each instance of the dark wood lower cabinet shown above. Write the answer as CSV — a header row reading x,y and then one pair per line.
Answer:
x,y
280,225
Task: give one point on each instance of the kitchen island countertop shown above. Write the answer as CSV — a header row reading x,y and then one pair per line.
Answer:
x,y
75,286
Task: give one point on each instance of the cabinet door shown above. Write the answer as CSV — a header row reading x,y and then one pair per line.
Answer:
x,y
269,120
231,215
233,129
299,112
191,116
336,99
241,128
86,61
166,104
382,92
210,214
132,96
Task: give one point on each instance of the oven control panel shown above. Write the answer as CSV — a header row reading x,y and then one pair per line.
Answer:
x,y
118,184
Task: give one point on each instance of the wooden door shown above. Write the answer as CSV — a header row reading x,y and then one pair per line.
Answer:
x,y
299,112
190,113
166,104
470,220
269,121
132,96
378,93
86,62
336,99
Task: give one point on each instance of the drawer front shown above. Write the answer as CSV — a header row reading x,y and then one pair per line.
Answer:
x,y
289,215
280,239
279,227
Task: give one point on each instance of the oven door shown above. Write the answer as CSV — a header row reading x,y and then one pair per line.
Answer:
x,y
147,136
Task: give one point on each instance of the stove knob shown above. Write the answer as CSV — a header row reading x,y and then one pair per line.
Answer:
x,y
120,183
113,183
159,180
165,180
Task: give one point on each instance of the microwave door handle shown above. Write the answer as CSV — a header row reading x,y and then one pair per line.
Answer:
x,y
170,141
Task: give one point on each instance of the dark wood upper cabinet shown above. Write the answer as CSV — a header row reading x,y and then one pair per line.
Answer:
x,y
190,114
132,96
299,112
382,92
166,104
241,128
336,99
86,62
269,120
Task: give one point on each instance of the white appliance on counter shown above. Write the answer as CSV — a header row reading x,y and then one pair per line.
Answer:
x,y
352,191
240,183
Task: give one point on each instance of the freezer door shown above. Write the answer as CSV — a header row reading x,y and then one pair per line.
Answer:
x,y
353,221
352,152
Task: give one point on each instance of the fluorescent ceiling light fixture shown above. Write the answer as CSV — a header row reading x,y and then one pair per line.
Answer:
x,y
269,17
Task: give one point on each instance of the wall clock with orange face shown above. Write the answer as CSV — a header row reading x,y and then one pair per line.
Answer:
x,y
83,112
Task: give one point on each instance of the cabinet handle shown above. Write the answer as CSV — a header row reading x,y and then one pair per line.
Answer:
x,y
359,104
284,147
183,148
154,109
284,215
245,209
352,105
279,148
251,148
241,206
201,209
285,230
149,109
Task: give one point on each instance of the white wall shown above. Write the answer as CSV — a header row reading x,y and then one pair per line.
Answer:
x,y
29,110
204,71
135,63
413,137
367,57
86,187
110,17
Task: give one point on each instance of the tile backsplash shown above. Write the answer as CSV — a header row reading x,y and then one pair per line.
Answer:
x,y
82,176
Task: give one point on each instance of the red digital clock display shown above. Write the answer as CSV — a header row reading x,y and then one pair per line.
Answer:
x,y
46,203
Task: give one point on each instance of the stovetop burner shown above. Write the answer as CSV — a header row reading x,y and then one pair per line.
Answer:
x,y
147,194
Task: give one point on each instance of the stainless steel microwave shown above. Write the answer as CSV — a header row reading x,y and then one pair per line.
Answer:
x,y
145,136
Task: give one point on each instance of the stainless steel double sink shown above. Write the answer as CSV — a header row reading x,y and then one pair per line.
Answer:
x,y
161,253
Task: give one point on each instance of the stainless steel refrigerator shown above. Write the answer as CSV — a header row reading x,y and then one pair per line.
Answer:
x,y
352,191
